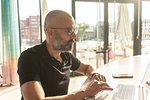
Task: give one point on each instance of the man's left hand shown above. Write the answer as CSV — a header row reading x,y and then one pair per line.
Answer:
x,y
99,77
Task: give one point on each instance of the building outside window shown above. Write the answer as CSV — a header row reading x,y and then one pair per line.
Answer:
x,y
29,23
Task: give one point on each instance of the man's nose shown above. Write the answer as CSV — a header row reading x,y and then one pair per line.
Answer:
x,y
73,35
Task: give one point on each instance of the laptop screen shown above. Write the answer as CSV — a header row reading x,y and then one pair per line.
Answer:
x,y
146,79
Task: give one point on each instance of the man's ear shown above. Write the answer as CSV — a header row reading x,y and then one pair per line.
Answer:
x,y
49,32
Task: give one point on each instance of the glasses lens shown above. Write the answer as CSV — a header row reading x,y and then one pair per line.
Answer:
x,y
76,31
70,31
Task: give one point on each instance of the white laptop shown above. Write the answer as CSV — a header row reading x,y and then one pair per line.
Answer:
x,y
126,91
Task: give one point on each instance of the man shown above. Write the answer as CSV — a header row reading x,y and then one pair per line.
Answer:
x,y
44,70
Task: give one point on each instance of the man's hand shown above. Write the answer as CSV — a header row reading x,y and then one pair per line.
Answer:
x,y
96,86
98,77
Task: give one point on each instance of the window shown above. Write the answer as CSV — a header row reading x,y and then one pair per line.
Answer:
x,y
59,4
106,26
90,23
145,27
30,19
29,23
121,35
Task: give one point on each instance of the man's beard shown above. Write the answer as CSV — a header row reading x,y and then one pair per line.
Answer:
x,y
63,47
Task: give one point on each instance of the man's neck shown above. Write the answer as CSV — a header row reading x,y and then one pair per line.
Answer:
x,y
52,52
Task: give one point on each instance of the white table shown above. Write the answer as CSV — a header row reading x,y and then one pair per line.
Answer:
x,y
135,65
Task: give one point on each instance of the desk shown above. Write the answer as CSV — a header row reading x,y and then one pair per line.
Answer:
x,y
135,65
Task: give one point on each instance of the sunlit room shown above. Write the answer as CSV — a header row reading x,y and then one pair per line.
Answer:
x,y
111,36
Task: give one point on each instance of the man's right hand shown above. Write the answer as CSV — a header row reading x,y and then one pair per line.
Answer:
x,y
96,86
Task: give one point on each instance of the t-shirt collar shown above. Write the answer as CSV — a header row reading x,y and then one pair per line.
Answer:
x,y
46,53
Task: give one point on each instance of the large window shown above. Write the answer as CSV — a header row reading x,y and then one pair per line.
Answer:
x,y
92,29
90,22
121,29
145,27
107,29
29,12
59,4
29,23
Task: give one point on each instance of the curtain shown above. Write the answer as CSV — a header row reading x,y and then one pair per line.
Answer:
x,y
44,13
10,41
124,26
0,48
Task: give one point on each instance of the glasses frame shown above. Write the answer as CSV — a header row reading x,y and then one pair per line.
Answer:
x,y
68,30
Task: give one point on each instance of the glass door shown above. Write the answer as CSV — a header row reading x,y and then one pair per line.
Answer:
x,y
89,18
145,27
104,30
29,23
121,29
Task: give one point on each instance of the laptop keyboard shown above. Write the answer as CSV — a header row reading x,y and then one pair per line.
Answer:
x,y
124,92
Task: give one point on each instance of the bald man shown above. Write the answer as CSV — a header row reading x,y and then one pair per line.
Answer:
x,y
44,69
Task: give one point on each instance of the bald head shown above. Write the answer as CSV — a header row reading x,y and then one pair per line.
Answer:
x,y
58,19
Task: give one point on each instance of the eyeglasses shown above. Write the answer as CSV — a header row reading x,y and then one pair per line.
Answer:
x,y
68,30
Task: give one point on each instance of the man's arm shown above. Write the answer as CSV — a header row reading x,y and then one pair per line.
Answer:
x,y
88,70
33,91
85,69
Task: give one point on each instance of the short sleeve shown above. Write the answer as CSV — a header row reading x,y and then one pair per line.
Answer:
x,y
75,62
28,67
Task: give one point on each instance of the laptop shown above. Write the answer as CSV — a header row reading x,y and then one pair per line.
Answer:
x,y
125,91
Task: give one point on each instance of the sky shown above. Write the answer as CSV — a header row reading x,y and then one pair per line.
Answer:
x,y
85,11
31,7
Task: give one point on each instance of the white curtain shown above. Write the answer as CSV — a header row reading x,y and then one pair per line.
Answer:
x,y
123,29
44,12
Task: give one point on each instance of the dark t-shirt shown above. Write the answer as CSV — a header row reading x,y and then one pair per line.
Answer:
x,y
36,64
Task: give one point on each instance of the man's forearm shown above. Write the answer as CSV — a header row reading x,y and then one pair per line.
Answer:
x,y
89,70
77,95
85,69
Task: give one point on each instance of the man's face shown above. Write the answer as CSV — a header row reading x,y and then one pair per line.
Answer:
x,y
61,44
64,30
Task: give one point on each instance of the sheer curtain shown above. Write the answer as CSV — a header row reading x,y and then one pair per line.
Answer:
x,y
10,41
0,48
44,13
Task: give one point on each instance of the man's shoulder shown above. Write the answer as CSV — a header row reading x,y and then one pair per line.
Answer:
x,y
32,52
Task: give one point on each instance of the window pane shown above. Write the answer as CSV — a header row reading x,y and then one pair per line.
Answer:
x,y
90,24
121,17
59,4
145,27
29,23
